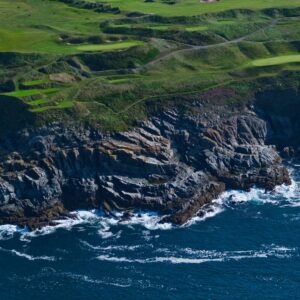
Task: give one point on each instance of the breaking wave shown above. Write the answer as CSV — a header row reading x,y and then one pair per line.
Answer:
x,y
27,256
252,234
284,196
206,256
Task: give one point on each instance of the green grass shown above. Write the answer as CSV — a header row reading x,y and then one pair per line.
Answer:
x,y
116,81
163,27
226,22
38,102
195,7
36,25
33,82
195,28
113,88
32,92
110,46
277,60
61,105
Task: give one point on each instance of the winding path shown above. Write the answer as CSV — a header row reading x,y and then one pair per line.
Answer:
x,y
195,47
191,48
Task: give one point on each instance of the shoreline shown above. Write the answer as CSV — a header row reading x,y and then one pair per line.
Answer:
x,y
173,163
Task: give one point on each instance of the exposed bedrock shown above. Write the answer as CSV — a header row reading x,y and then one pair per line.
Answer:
x,y
281,110
173,163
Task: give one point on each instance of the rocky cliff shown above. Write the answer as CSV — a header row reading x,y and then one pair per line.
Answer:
x,y
173,163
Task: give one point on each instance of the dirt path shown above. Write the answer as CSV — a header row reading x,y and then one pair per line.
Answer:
x,y
194,47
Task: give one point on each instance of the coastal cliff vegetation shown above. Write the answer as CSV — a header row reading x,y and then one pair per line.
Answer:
x,y
111,63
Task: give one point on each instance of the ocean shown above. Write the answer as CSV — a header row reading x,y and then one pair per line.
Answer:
x,y
246,246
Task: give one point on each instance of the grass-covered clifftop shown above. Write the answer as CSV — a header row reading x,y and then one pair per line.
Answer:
x,y
110,62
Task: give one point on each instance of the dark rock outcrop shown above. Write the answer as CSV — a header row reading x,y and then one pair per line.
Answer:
x,y
173,163
281,110
7,86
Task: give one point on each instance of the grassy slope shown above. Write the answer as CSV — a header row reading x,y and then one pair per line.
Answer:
x,y
115,98
35,25
277,60
195,7
110,46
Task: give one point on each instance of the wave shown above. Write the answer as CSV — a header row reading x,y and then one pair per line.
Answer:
x,y
7,232
27,256
78,217
206,212
149,220
280,195
90,280
94,218
206,256
112,247
284,196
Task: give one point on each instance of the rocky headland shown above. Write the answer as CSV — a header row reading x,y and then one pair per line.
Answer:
x,y
175,162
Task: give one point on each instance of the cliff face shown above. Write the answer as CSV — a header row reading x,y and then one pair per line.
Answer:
x,y
173,163
281,110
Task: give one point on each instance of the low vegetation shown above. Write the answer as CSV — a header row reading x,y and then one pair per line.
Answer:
x,y
111,62
277,60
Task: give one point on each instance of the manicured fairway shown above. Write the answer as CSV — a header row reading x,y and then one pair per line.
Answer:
x,y
196,28
278,60
35,25
195,7
38,102
110,46
26,93
61,105
182,48
163,27
178,27
34,82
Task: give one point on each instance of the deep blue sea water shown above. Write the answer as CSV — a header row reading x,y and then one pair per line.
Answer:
x,y
246,247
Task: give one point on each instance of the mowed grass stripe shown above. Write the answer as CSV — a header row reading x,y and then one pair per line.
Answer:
x,y
61,105
38,102
26,93
110,46
34,82
277,60
195,7
162,27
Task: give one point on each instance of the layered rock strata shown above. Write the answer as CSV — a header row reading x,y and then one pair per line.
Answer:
x,y
173,163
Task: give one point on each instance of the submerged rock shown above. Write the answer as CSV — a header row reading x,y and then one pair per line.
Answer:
x,y
173,163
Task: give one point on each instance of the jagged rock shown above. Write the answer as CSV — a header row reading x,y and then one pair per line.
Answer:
x,y
174,163
7,86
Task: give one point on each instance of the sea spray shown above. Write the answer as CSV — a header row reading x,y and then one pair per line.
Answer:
x,y
283,195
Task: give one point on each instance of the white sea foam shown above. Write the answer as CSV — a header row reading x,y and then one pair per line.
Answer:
x,y
30,257
27,256
149,220
105,234
205,256
88,279
282,196
209,211
112,247
79,217
288,191
105,224
7,231
171,259
293,204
